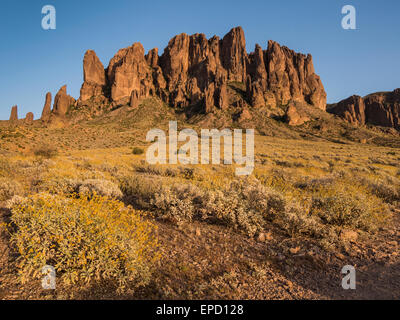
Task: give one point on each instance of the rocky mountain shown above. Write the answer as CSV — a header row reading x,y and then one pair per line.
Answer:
x,y
195,71
380,109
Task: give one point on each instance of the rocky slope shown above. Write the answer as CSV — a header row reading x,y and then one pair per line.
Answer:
x,y
380,109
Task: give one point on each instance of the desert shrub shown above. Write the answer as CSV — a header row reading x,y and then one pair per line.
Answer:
x,y
288,164
108,168
244,205
149,169
9,188
177,203
45,151
5,167
88,187
297,221
137,150
61,185
385,191
139,191
84,239
342,209
171,172
315,184
14,201
101,187
187,173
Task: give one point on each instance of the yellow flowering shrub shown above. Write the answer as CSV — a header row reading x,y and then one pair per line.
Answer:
x,y
84,239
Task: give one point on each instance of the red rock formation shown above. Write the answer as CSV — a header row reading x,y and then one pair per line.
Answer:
x,y
134,102
29,118
381,109
94,76
47,108
195,70
62,102
294,118
279,75
14,114
351,109
234,55
129,71
152,58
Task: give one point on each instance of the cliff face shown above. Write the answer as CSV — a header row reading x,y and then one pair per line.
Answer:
x,y
194,69
380,109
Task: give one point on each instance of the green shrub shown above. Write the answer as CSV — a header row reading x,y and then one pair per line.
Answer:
x,y
137,150
84,239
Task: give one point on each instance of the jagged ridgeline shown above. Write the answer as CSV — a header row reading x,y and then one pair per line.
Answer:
x,y
195,71
207,76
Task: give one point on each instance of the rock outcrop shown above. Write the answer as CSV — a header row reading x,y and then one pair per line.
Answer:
x,y
62,102
200,72
380,109
94,76
29,118
280,75
128,70
14,114
195,70
134,102
46,108
294,118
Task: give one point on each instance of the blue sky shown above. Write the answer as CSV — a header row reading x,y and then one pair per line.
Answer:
x,y
34,61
